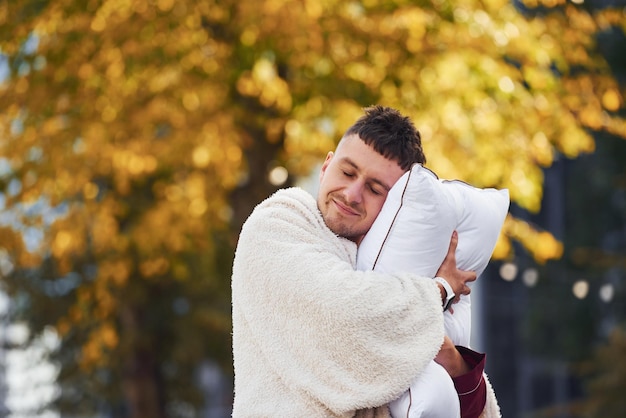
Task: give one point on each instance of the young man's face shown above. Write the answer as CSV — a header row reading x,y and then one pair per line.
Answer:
x,y
354,182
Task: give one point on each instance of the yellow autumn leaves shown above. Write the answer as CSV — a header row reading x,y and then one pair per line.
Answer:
x,y
144,116
264,83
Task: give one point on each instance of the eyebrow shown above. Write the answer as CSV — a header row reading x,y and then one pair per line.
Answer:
x,y
372,179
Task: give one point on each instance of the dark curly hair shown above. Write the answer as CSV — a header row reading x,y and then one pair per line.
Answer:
x,y
391,134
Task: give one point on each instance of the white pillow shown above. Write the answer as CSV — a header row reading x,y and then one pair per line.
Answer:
x,y
481,215
432,395
413,230
412,233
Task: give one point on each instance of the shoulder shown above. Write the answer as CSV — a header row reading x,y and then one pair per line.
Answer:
x,y
290,197
286,208
290,202
291,216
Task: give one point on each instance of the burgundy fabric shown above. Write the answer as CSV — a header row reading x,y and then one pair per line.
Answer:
x,y
471,386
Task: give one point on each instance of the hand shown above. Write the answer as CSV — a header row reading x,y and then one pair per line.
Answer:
x,y
457,279
450,359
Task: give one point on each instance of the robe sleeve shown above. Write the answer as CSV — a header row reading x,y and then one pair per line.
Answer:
x,y
471,386
347,339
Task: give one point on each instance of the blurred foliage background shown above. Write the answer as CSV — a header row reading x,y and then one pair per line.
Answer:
x,y
137,135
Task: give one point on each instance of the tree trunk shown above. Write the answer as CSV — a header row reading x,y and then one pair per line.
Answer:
x,y
142,384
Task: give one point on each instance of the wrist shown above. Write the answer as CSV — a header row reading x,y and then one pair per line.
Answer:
x,y
442,293
447,294
453,361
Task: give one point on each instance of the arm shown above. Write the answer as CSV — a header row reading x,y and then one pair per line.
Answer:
x,y
345,338
466,367
451,359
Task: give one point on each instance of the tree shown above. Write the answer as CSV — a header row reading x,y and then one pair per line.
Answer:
x,y
607,374
137,136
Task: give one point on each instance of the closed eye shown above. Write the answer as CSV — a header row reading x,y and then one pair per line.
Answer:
x,y
375,190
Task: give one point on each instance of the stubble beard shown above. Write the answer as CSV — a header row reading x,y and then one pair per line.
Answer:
x,y
338,223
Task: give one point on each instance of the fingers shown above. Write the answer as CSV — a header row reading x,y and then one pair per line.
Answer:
x,y
458,279
468,276
465,291
454,241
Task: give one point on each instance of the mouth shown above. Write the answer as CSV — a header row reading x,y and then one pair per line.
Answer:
x,y
345,209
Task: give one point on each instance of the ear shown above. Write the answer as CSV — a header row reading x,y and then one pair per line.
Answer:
x,y
329,157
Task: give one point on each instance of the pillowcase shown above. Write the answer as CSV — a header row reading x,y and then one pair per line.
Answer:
x,y
414,227
431,395
481,216
412,233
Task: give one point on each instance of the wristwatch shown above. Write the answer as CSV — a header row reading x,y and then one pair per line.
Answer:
x,y
449,292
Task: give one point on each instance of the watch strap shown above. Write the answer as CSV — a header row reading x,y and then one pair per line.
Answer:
x,y
449,292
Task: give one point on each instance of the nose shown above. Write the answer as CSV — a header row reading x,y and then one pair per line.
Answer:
x,y
354,192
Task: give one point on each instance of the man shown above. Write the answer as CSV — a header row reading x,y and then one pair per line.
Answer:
x,y
312,337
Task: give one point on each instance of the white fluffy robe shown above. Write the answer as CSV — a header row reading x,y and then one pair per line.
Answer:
x,y
312,337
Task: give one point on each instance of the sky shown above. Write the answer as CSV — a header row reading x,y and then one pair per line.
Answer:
x,y
29,376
